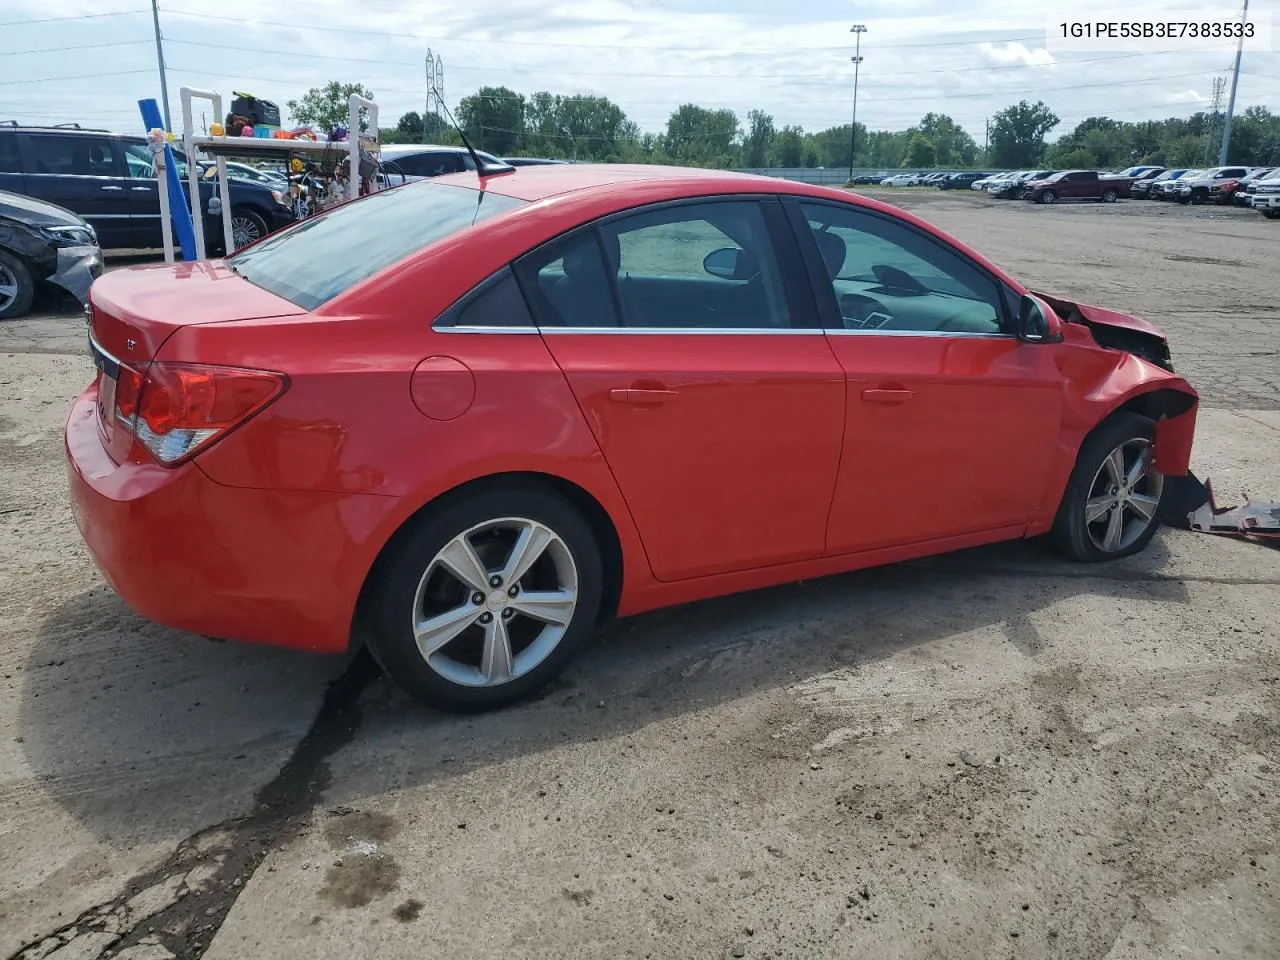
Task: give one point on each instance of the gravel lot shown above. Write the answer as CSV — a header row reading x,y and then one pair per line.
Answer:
x,y
990,754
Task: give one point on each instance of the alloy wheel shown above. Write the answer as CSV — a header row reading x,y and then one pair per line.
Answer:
x,y
1124,496
495,602
244,230
8,288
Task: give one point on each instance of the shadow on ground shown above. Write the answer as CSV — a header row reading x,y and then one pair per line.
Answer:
x,y
139,732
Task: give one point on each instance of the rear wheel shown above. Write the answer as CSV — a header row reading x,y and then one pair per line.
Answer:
x,y
1111,506
17,287
486,598
246,227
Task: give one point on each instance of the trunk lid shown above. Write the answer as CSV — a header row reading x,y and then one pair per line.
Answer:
x,y
133,311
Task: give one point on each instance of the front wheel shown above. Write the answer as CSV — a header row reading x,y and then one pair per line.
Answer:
x,y
1047,197
1111,505
17,287
486,598
1109,196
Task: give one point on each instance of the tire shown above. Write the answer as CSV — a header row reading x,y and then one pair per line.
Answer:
x,y
411,582
1109,196
246,227
1047,197
1091,481
1271,214
17,287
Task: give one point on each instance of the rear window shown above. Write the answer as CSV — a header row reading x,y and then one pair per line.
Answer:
x,y
311,263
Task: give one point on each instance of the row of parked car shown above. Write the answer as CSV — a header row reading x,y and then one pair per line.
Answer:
x,y
1256,187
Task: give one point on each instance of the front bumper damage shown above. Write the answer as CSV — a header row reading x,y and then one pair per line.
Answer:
x,y
76,269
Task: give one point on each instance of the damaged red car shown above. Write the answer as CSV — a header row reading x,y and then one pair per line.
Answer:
x,y
466,420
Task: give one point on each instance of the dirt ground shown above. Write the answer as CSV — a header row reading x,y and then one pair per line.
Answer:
x,y
990,754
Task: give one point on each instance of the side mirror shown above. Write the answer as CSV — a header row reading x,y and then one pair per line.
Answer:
x,y
1037,323
722,263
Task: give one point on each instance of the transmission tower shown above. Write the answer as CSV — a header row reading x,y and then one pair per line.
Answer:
x,y
1215,115
431,118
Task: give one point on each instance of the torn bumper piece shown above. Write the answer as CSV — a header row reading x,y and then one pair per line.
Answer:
x,y
1257,520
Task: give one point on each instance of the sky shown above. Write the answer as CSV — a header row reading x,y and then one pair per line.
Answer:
x,y
90,61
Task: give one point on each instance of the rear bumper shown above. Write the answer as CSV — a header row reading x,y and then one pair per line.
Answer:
x,y
261,566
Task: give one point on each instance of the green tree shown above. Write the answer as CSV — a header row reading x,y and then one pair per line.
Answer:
x,y
788,148
410,124
1017,133
920,152
953,147
758,139
493,119
324,108
700,137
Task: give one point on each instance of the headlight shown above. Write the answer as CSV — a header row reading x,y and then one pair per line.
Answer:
x,y
79,235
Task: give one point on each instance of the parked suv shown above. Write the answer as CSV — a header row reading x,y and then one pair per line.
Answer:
x,y
959,181
108,178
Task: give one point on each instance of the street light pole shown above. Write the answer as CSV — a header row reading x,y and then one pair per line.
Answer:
x,y
858,30
164,84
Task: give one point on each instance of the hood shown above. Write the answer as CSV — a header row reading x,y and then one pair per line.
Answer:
x,y
37,212
1074,312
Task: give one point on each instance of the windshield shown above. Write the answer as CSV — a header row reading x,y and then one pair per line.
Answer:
x,y
311,263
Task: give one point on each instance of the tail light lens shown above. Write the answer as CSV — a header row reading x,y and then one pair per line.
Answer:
x,y
177,409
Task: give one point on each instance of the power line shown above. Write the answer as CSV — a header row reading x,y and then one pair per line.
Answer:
x,y
80,76
930,97
382,61
78,16
82,46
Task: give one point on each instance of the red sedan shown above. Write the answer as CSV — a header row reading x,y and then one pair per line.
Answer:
x,y
465,420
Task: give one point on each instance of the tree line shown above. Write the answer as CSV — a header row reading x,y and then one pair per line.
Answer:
x,y
582,127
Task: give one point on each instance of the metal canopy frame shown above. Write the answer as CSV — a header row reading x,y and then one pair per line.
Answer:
x,y
222,147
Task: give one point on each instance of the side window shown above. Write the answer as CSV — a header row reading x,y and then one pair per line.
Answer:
x,y
137,159
500,304
64,155
891,277
9,162
698,265
568,283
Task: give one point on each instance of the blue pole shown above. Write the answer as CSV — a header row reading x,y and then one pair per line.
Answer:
x,y
179,210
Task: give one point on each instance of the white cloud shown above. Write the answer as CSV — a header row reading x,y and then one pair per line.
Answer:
x,y
1187,96
1016,53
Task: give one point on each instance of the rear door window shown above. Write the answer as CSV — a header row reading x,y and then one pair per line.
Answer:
x,y
69,155
9,162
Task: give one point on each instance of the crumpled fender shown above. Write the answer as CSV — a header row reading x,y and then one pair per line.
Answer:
x,y
1108,381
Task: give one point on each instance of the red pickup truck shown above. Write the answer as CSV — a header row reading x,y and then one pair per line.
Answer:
x,y
1077,185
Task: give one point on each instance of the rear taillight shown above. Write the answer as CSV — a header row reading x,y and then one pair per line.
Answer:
x,y
176,409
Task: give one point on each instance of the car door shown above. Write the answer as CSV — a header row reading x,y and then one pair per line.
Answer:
x,y
687,333
79,172
952,422
143,193
10,164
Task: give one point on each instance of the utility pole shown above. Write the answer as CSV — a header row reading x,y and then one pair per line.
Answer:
x,y
1235,79
164,84
857,30
986,143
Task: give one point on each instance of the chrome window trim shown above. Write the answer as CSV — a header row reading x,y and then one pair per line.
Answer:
x,y
695,331
920,333
484,329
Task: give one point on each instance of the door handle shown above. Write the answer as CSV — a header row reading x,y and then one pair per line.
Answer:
x,y
888,396
134,189
637,395
113,188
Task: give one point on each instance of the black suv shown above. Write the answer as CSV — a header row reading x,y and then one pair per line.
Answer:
x,y
108,179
